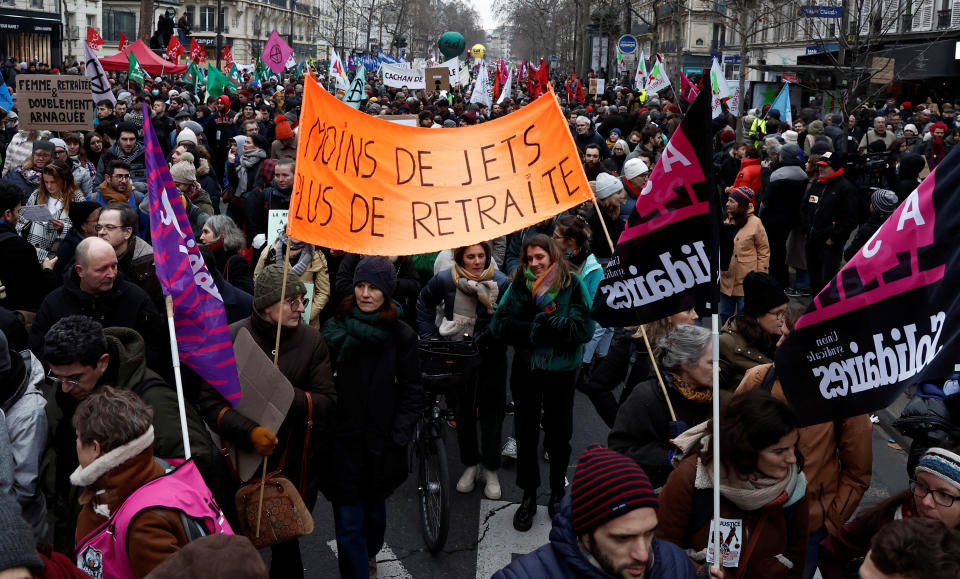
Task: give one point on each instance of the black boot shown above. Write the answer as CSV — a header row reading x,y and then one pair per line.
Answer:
x,y
583,376
523,518
554,505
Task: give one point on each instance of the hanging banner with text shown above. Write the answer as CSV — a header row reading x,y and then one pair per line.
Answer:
x,y
889,319
365,185
50,102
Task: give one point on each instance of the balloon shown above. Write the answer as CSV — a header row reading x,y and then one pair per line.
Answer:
x,y
451,44
478,51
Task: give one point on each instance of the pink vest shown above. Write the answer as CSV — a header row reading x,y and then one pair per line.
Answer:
x,y
103,553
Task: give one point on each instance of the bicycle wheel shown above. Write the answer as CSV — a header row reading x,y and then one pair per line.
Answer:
x,y
434,489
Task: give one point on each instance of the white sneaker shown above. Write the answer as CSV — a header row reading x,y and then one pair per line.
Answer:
x,y
491,488
467,479
510,448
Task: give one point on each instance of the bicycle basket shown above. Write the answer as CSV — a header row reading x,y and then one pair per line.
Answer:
x,y
445,358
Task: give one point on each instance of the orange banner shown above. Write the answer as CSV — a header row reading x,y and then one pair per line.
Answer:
x,y
369,186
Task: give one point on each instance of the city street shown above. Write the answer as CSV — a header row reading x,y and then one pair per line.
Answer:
x,y
482,539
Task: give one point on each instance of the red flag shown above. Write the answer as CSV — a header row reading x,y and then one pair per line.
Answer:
x,y
227,58
196,52
542,79
123,42
174,50
94,40
496,81
687,91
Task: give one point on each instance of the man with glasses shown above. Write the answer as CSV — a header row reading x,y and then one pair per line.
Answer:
x,y
117,226
83,356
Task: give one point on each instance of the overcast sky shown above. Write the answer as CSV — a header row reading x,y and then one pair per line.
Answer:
x,y
485,8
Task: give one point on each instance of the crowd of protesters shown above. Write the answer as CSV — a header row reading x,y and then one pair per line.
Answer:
x,y
92,423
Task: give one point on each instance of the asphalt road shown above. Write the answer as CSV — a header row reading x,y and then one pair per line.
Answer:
x,y
482,538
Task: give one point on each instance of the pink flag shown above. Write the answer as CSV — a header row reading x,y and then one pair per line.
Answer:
x,y
687,90
276,52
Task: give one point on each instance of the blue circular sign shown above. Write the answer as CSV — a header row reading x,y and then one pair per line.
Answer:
x,y
627,44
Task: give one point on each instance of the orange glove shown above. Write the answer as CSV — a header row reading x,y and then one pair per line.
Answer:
x,y
263,441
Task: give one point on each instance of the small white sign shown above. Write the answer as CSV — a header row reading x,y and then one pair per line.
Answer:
x,y
731,542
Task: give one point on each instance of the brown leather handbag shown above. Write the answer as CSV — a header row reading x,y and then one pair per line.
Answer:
x,y
284,516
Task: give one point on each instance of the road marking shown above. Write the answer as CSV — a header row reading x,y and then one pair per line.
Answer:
x,y
388,566
499,543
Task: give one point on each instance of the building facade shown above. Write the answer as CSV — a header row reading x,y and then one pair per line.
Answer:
x,y
31,30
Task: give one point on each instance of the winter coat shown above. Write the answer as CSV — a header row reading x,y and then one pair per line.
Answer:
x,y
737,354
208,183
863,234
749,175
41,235
16,178
642,428
138,168
82,177
564,558
685,521
137,266
516,239
591,138
783,196
257,206
235,269
25,281
66,254
127,370
26,426
751,252
441,290
305,362
837,459
598,241
316,274
911,165
559,335
154,534
380,398
831,209
125,305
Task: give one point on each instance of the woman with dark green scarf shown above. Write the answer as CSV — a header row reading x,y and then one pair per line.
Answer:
x,y
377,374
545,316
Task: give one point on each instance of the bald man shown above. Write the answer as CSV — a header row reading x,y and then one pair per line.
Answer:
x,y
96,289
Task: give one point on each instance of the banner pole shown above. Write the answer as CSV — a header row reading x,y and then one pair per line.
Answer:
x,y
276,363
717,557
174,351
656,369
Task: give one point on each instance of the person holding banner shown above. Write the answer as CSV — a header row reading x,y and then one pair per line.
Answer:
x,y
763,505
468,293
545,316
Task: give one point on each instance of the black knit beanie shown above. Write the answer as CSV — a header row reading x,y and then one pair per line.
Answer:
x,y
379,272
761,293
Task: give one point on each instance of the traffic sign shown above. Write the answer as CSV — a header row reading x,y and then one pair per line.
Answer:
x,y
821,11
627,44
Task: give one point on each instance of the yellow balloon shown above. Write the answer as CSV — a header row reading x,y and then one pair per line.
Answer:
x,y
478,50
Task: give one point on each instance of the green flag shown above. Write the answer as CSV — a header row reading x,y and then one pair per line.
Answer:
x,y
234,75
217,82
135,71
193,74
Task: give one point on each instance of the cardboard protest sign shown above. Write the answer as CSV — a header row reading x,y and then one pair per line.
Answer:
x,y
54,103
369,186
397,76
438,78
890,318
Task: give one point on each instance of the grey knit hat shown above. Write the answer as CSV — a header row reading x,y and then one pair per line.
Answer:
x,y
17,547
379,272
269,284
44,145
183,170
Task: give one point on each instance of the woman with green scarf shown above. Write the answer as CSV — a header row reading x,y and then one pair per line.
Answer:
x,y
377,374
545,316
468,293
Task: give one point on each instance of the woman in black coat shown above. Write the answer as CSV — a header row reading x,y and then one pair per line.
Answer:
x,y
225,239
379,398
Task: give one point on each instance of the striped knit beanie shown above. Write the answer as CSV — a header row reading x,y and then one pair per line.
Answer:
x,y
940,463
743,195
607,485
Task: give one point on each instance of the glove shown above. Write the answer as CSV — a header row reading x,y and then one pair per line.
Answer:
x,y
670,455
677,427
263,441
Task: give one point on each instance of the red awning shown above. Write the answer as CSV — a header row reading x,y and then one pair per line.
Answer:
x,y
151,63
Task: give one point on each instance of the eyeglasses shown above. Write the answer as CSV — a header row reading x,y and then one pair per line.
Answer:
x,y
292,303
921,490
111,228
59,382
121,176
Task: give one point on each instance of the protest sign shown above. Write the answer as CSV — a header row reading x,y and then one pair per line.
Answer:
x,y
889,319
438,78
398,76
54,103
662,262
369,186
276,224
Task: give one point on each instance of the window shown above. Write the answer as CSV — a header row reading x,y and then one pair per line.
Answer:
x,y
208,19
116,22
36,4
91,20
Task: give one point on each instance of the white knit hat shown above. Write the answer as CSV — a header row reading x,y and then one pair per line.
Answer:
x,y
607,185
634,168
790,137
187,135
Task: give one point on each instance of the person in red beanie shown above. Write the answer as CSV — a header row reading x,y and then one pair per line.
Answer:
x,y
605,528
220,132
937,147
285,145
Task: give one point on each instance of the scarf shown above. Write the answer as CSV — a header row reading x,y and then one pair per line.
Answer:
x,y
936,152
281,193
304,259
128,158
544,288
470,290
247,160
577,257
31,176
355,332
689,392
756,492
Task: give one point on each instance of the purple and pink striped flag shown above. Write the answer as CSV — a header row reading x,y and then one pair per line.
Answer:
x,y
203,337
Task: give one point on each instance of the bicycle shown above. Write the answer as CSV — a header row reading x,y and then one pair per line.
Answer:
x,y
444,365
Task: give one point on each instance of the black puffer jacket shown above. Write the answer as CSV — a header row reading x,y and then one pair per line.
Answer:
x,y
831,209
783,197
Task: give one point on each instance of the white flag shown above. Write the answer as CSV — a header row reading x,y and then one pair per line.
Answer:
x,y
659,79
721,90
481,88
337,72
99,84
507,87
640,79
